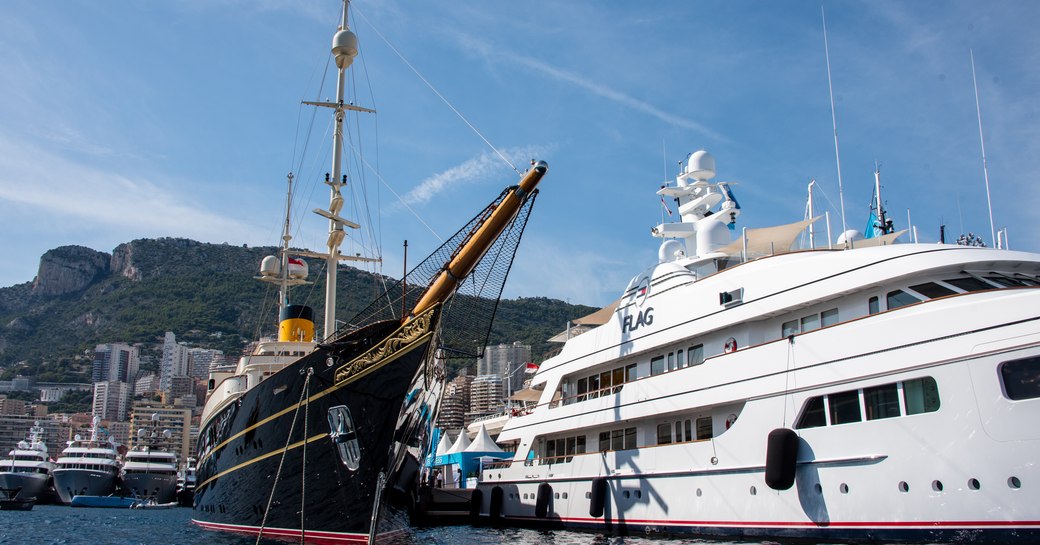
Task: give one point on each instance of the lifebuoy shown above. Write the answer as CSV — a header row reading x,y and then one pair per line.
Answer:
x,y
731,345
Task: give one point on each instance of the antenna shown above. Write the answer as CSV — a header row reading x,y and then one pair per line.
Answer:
x,y
834,120
982,142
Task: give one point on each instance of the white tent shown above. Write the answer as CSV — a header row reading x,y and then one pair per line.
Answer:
x,y
483,443
443,445
460,444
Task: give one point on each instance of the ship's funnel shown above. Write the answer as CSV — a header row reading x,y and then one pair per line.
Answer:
x,y
296,324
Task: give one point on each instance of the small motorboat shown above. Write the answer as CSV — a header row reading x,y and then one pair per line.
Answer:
x,y
9,500
151,503
110,501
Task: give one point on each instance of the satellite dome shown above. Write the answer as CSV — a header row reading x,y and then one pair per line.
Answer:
x,y
701,165
270,266
851,235
344,48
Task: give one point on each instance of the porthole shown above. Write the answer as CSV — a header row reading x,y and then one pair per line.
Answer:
x,y
903,487
1014,483
627,494
588,495
564,495
974,484
556,496
818,488
937,486
639,494
698,492
753,490
844,488
525,495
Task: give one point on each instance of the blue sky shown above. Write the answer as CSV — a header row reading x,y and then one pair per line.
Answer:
x,y
124,120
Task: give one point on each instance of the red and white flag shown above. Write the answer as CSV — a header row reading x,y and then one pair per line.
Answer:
x,y
665,205
298,261
531,368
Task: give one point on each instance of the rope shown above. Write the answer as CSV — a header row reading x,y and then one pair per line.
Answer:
x,y
303,466
288,441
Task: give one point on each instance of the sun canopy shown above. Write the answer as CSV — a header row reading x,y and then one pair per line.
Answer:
x,y
761,241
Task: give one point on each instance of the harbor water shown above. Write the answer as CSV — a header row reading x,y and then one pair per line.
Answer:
x,y
60,525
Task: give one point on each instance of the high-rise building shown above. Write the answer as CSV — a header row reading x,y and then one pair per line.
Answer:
x,y
112,400
455,403
180,388
174,361
152,417
16,428
115,362
507,361
147,384
200,360
485,396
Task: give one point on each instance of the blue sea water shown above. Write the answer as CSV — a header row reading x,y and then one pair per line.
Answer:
x,y
60,525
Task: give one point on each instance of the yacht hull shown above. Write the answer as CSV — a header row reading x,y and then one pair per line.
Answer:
x,y
82,482
31,485
268,438
145,485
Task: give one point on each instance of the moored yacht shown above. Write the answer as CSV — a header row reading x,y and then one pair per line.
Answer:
x,y
186,483
150,473
28,468
86,467
867,391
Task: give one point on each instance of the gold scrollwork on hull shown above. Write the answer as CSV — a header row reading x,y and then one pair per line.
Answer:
x,y
387,349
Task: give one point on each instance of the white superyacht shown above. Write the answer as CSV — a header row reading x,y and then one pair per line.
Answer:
x,y
28,468
739,389
87,467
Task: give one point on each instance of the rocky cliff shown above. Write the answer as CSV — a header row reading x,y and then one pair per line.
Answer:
x,y
69,269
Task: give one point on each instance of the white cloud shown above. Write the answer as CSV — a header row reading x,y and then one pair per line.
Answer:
x,y
472,44
468,172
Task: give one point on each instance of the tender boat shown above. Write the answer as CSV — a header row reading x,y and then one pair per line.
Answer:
x,y
864,391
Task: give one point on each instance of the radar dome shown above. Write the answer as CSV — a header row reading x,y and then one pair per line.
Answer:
x,y
851,235
270,266
344,48
701,165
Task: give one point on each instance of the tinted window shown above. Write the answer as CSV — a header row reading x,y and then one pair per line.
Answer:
x,y
873,307
604,441
704,428
814,415
657,365
1021,378
932,290
810,323
630,438
969,284
881,401
829,317
664,434
899,298
921,395
695,355
789,328
844,407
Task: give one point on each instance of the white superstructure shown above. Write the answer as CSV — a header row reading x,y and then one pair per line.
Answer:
x,y
868,391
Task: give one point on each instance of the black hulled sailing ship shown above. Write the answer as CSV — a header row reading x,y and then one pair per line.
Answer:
x,y
321,441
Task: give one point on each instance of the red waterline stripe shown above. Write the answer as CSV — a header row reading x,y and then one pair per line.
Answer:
x,y
832,524
315,536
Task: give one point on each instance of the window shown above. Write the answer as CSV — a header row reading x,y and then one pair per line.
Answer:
x,y
921,395
664,434
617,440
630,438
604,441
688,427
657,365
604,382
789,328
695,355
678,432
1021,378
814,415
873,305
583,388
811,322
932,290
881,401
844,407
899,298
679,361
969,284
829,317
671,361
704,428
630,373
618,378
593,386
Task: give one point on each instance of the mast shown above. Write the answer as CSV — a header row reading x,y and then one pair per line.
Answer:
x,y
982,143
478,242
283,284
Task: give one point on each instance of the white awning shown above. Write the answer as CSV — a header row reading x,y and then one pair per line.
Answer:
x,y
761,241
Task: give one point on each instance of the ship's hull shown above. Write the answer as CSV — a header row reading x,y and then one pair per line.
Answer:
x,y
30,485
956,472
381,376
82,482
151,485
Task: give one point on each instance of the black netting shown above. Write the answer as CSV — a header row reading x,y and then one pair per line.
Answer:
x,y
467,315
